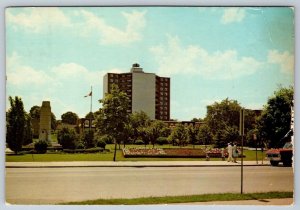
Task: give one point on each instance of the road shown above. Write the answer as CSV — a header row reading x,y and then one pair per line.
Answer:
x,y
54,185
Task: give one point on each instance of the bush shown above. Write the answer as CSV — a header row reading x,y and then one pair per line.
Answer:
x,y
101,143
88,138
67,138
80,145
106,138
41,146
90,150
94,150
162,140
139,142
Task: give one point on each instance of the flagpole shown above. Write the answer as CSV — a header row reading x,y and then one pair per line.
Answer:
x,y
91,98
91,108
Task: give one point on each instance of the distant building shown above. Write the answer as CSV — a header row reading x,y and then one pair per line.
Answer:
x,y
147,92
172,124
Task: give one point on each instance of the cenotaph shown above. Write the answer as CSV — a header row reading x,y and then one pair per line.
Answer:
x,y
45,121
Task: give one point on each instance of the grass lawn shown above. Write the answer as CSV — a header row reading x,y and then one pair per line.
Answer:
x,y
186,199
108,156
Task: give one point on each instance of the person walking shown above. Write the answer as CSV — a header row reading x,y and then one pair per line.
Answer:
x,y
229,149
235,152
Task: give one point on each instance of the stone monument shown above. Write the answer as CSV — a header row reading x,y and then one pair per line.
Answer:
x,y
45,122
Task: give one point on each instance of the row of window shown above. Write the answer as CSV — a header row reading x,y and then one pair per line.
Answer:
x,y
118,80
164,84
163,79
119,75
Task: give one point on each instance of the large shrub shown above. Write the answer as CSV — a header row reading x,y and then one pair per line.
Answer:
x,y
88,138
41,146
67,138
139,142
101,143
162,140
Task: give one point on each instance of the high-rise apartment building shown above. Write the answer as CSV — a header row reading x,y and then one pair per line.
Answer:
x,y
147,92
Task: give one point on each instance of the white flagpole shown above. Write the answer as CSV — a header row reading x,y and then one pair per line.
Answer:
x,y
91,97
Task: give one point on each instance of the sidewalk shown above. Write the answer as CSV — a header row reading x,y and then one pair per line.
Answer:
x,y
131,164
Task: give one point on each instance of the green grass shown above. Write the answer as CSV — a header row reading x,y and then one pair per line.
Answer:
x,y
186,199
108,156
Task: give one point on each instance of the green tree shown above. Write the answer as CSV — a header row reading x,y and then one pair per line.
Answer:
x,y
90,115
204,135
28,130
68,138
138,120
155,130
223,121
275,120
192,131
16,123
88,138
127,133
69,118
113,115
179,135
35,114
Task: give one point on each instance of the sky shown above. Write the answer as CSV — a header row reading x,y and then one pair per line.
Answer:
x,y
210,54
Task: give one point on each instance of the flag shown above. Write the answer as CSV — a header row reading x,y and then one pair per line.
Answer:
x,y
90,94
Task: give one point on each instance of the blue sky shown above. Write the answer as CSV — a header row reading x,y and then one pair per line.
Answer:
x,y
210,53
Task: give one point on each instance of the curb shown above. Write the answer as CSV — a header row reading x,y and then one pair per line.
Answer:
x,y
129,166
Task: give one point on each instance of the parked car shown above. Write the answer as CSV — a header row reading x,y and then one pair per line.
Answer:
x,y
284,155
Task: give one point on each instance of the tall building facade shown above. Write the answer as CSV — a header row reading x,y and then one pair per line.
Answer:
x,y
147,92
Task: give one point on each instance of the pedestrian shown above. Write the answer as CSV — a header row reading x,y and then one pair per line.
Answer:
x,y
229,149
223,154
235,152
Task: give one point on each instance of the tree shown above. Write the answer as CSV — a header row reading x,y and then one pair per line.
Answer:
x,y
223,121
16,123
90,115
204,135
113,115
192,131
88,138
138,120
155,130
28,135
35,114
275,120
67,138
179,135
69,118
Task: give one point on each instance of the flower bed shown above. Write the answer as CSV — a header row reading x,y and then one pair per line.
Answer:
x,y
216,153
167,152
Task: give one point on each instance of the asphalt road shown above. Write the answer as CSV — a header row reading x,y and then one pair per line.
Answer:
x,y
54,185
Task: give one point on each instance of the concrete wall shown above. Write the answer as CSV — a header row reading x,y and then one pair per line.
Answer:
x,y
105,85
143,93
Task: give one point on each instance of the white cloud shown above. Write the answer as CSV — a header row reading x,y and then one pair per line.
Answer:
x,y
65,85
18,74
45,19
233,15
113,35
76,73
176,59
38,19
285,60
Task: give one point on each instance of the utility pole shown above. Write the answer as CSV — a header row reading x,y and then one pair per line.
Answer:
x,y
242,112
